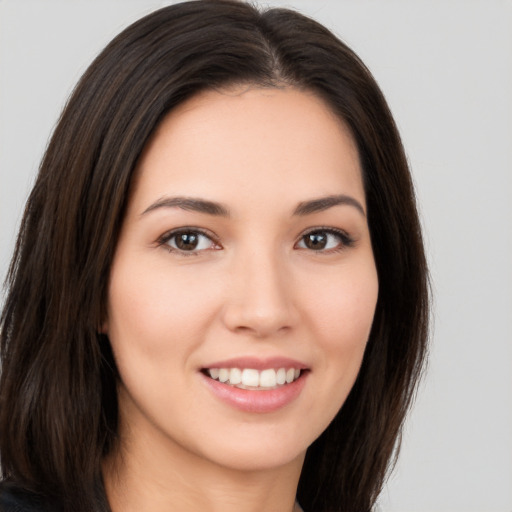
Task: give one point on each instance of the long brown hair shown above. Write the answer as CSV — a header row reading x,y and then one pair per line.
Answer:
x,y
58,404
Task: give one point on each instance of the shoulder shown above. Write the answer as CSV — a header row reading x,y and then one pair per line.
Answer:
x,y
15,499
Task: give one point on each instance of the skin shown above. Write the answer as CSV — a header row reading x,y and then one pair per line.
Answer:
x,y
252,288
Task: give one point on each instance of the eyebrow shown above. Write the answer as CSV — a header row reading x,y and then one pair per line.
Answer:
x,y
190,204
217,209
324,203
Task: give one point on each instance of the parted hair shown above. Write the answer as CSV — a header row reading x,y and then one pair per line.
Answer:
x,y
58,401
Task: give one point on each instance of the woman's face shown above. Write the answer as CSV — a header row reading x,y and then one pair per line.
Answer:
x,y
243,286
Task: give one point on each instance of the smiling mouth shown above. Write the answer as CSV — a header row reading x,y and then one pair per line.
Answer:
x,y
249,378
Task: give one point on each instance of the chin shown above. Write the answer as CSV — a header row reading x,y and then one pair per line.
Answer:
x,y
259,459
257,449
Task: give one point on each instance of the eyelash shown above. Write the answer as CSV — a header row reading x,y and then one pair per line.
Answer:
x,y
345,240
164,240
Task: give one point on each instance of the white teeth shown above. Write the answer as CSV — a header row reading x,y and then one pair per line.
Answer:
x,y
268,378
235,376
250,378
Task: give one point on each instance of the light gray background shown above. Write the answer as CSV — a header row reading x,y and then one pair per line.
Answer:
x,y
446,69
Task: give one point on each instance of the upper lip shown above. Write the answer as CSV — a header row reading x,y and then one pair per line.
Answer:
x,y
258,363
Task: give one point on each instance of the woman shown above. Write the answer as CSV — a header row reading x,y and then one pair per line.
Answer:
x,y
218,298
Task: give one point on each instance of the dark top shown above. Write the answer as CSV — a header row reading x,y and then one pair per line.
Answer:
x,y
15,499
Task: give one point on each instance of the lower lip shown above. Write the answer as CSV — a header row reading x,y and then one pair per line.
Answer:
x,y
257,401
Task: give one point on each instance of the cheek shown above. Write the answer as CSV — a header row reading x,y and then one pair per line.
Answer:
x,y
342,307
155,309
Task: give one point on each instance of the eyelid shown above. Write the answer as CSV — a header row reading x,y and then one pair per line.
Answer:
x,y
346,240
168,235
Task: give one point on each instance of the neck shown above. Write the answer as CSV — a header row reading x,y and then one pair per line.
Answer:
x,y
148,475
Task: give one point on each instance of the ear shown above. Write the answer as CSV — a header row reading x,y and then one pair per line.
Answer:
x,y
103,329
102,316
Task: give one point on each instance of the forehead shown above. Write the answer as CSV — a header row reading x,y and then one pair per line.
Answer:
x,y
245,142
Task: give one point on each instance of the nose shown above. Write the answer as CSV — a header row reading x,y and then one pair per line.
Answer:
x,y
260,301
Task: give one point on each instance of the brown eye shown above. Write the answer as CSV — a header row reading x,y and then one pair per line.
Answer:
x,y
315,241
186,241
325,240
190,241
